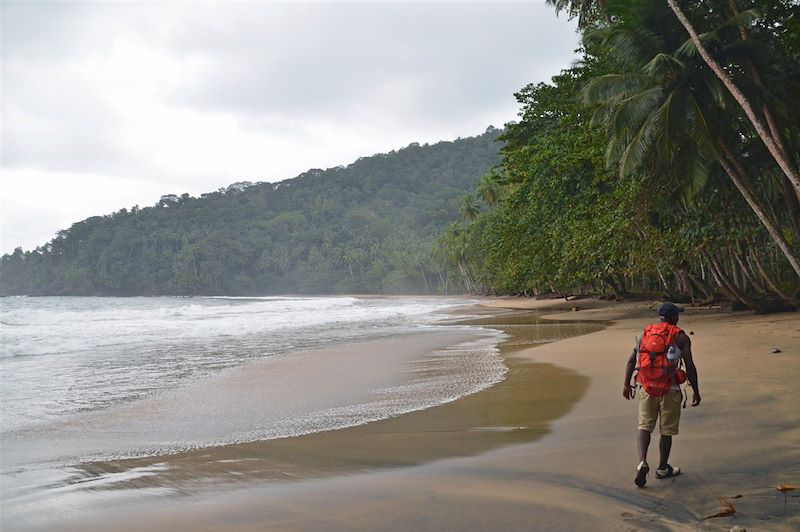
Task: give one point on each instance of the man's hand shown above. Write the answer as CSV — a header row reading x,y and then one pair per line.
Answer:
x,y
627,392
695,399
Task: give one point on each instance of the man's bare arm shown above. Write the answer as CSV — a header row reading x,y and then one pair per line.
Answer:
x,y
627,391
685,345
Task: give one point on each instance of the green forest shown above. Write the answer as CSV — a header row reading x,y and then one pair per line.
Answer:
x,y
664,162
369,227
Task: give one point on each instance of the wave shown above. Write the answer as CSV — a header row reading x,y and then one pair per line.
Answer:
x,y
64,364
287,396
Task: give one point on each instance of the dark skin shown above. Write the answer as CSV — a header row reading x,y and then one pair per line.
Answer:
x,y
665,442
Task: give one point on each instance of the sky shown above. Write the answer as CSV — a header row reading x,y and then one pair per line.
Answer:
x,y
108,105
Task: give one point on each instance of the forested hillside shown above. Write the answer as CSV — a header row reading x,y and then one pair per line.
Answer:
x,y
643,169
369,227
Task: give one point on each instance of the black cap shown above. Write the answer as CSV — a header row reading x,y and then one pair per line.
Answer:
x,y
669,309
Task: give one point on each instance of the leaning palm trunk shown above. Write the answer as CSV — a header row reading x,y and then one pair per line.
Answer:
x,y
740,98
468,282
698,286
735,171
769,281
765,109
726,284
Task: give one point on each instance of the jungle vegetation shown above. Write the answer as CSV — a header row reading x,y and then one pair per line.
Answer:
x,y
663,162
366,228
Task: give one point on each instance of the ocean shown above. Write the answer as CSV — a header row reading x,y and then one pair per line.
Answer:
x,y
92,379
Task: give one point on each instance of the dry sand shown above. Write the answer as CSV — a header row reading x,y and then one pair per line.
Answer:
x,y
570,467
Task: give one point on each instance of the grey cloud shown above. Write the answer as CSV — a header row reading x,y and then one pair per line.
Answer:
x,y
415,67
58,123
450,58
55,117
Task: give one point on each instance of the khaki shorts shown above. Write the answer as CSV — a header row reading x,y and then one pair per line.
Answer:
x,y
666,409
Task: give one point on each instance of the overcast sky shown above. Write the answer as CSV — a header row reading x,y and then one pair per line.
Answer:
x,y
110,105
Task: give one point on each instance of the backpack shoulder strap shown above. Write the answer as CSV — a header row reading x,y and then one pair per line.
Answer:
x,y
674,331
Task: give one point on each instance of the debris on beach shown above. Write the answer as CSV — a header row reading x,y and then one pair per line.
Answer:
x,y
728,508
776,350
738,528
785,487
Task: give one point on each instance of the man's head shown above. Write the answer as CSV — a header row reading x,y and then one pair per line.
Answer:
x,y
669,312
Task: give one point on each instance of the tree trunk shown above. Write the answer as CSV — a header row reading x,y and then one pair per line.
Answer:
x,y
774,130
736,172
663,280
745,272
726,284
619,290
699,287
741,99
425,279
768,279
792,209
471,287
685,287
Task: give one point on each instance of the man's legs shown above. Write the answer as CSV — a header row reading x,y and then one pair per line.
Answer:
x,y
664,446
644,444
670,417
648,413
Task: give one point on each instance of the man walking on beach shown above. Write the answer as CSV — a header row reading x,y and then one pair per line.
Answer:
x,y
657,359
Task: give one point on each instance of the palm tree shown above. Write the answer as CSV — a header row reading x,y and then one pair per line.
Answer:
x,y
454,251
489,189
771,142
663,113
770,135
469,208
583,9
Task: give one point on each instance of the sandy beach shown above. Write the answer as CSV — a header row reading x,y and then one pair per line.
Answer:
x,y
550,448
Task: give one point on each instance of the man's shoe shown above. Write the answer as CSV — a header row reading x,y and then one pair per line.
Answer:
x,y
668,472
641,474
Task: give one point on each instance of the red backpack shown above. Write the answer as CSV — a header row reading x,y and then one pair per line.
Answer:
x,y
656,370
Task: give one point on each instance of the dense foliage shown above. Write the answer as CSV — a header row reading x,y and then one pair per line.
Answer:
x,y
366,228
640,169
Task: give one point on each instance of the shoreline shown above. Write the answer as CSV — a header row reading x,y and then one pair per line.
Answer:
x,y
577,473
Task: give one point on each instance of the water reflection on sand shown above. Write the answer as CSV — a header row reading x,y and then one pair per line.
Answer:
x,y
518,409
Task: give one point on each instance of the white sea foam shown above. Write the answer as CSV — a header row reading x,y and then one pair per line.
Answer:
x,y
108,377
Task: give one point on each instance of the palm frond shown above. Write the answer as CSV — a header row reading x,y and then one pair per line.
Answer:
x,y
640,145
719,94
630,46
688,48
660,64
665,120
634,110
615,149
701,127
678,125
694,170
649,40
611,88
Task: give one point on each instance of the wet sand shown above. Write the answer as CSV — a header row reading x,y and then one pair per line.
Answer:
x,y
550,448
